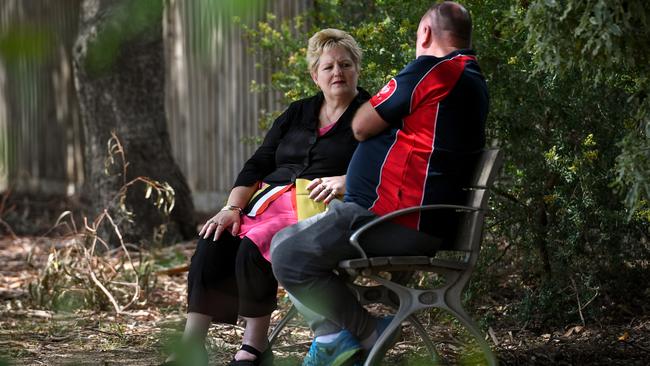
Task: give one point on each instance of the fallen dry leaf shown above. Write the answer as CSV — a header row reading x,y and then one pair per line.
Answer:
x,y
624,337
573,330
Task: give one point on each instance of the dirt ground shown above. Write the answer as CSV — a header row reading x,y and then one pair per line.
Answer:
x,y
143,334
54,263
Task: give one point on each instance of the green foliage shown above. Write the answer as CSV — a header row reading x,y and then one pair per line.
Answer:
x,y
385,30
633,163
559,231
597,37
605,42
565,227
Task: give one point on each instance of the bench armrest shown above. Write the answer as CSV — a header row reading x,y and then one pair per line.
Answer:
x,y
354,238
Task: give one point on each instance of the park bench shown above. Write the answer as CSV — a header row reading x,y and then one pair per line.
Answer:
x,y
455,269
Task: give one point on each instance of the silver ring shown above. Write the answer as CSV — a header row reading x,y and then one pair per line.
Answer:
x,y
211,222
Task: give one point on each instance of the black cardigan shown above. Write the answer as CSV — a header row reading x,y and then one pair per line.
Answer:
x,y
292,148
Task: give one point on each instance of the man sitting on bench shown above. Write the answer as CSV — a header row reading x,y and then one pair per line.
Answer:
x,y
418,135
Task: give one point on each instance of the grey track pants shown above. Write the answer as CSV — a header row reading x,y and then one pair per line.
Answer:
x,y
304,256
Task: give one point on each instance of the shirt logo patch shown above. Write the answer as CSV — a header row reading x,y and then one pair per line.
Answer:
x,y
385,93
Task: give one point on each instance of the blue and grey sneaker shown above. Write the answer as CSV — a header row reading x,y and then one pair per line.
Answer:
x,y
335,353
382,324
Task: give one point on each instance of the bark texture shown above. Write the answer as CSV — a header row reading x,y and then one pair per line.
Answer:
x,y
119,77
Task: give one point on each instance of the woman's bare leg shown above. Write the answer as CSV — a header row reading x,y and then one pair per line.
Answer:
x,y
196,329
255,335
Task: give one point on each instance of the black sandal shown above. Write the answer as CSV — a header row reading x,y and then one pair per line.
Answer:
x,y
263,358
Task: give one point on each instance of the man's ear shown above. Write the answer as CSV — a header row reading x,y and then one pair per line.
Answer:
x,y
427,36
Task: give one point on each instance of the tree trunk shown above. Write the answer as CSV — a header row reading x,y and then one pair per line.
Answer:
x,y
542,228
541,239
119,76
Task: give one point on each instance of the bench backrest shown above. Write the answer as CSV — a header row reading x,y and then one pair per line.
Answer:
x,y
468,238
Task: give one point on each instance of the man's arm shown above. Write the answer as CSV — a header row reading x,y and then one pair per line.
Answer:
x,y
367,122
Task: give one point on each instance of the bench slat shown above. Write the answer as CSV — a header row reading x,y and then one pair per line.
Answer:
x,y
354,263
408,260
441,263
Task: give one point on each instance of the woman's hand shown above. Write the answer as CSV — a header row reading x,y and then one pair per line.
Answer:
x,y
327,188
223,220
227,218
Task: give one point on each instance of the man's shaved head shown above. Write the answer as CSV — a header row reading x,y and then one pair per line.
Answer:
x,y
452,20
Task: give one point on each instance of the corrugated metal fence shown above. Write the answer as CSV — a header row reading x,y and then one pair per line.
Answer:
x,y
40,133
209,106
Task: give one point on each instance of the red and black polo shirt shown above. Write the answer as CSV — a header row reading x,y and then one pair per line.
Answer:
x,y
436,109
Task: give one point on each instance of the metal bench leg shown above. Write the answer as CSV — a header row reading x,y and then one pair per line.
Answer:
x,y
283,323
454,307
419,328
408,304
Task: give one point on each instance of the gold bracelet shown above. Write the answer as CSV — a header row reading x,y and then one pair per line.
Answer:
x,y
232,208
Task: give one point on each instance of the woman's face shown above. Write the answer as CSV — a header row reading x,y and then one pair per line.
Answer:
x,y
336,74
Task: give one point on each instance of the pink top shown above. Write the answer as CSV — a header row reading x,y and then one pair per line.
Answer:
x,y
323,130
280,214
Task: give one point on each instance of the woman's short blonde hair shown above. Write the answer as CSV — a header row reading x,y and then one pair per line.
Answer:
x,y
327,39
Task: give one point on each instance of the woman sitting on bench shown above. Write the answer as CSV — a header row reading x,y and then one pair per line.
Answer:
x,y
300,165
